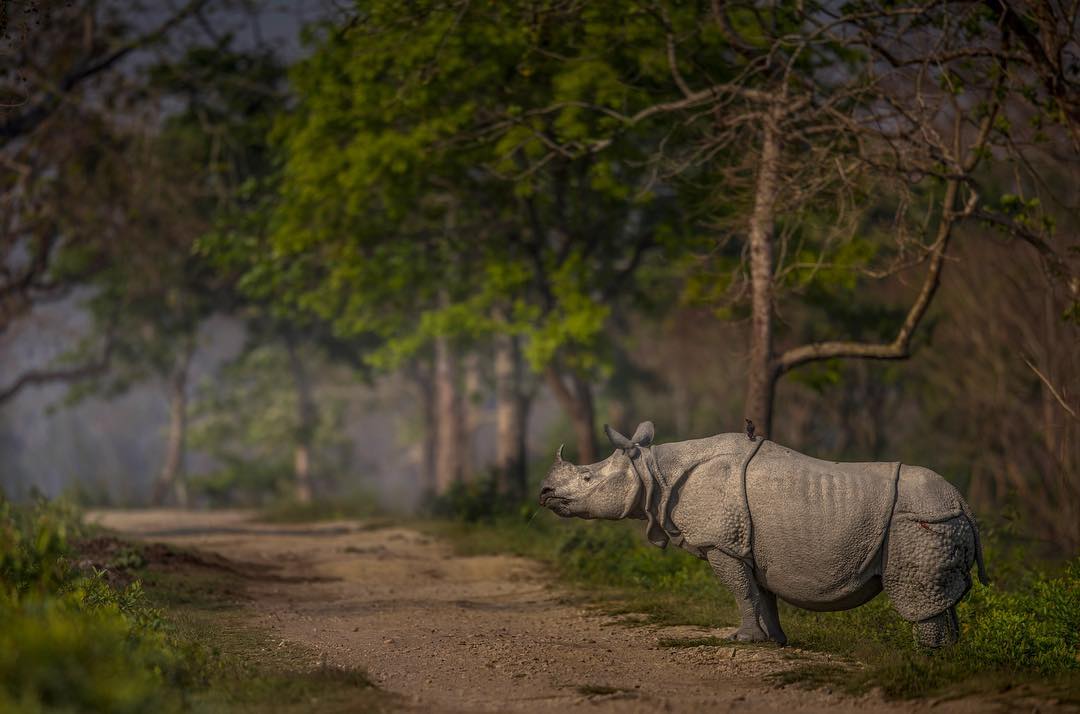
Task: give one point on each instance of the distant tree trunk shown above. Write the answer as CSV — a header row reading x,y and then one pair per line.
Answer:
x,y
424,377
761,372
172,478
578,405
448,439
305,424
511,414
470,414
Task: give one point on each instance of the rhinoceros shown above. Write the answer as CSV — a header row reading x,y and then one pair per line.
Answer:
x,y
772,522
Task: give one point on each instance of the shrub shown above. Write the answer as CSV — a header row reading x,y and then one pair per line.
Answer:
x,y
69,641
471,502
33,546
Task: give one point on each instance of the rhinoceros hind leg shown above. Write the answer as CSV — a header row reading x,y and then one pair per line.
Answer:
x,y
757,607
940,630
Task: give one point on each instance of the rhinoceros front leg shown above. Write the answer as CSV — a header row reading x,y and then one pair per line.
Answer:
x,y
757,607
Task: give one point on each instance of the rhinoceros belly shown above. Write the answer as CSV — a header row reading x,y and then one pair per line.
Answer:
x,y
817,526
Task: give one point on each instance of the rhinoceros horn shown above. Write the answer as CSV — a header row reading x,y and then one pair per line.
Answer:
x,y
558,454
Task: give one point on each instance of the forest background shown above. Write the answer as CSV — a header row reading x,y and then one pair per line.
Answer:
x,y
256,253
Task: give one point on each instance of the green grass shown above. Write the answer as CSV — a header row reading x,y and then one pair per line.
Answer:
x,y
1022,633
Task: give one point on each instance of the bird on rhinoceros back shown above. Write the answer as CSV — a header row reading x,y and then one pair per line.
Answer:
x,y
749,429
774,523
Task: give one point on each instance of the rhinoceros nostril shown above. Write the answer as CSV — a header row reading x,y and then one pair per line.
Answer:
x,y
544,493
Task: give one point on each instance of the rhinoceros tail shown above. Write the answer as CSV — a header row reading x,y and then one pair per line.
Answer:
x,y
983,577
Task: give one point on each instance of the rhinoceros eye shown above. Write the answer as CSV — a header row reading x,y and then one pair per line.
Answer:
x,y
587,476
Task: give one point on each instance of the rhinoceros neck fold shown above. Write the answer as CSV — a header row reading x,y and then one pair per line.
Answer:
x,y
661,484
657,494
724,457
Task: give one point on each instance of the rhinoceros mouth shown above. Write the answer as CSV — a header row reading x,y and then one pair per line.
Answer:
x,y
558,504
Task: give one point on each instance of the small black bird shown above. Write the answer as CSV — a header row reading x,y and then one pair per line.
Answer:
x,y
749,429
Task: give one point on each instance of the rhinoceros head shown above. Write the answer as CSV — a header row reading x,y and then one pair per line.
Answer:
x,y
608,489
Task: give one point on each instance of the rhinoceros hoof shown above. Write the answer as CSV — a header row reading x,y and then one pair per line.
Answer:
x,y
748,635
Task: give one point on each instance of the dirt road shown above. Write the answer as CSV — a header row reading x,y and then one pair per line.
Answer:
x,y
467,634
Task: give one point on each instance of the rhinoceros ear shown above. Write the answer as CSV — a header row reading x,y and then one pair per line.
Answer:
x,y
644,434
617,440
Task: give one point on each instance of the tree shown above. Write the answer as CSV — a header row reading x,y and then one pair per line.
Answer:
x,y
265,423
59,89
151,300
65,156
151,303
845,110
418,229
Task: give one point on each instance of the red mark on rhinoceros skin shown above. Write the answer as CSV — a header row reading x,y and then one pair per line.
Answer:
x,y
923,524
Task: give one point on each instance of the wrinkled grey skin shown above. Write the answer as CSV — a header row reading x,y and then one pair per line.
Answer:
x,y
775,523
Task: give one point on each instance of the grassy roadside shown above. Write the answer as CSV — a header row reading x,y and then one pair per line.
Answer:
x,y
89,622
1021,635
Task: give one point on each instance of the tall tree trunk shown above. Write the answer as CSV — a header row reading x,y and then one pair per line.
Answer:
x,y
470,414
305,424
172,478
511,407
578,405
425,380
448,430
761,371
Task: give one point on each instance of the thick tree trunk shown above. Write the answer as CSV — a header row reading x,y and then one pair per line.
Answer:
x,y
511,407
448,439
761,371
172,477
305,425
578,405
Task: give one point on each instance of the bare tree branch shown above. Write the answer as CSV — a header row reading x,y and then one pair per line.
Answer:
x,y
26,121
900,347
38,377
1060,400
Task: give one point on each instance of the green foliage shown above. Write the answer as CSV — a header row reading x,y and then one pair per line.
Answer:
x,y
404,210
248,419
474,501
73,641
33,544
70,641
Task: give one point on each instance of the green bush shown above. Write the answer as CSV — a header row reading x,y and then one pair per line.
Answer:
x,y
1035,626
33,546
471,502
69,641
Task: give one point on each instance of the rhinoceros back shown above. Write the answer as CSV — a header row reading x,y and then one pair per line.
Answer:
x,y
817,526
